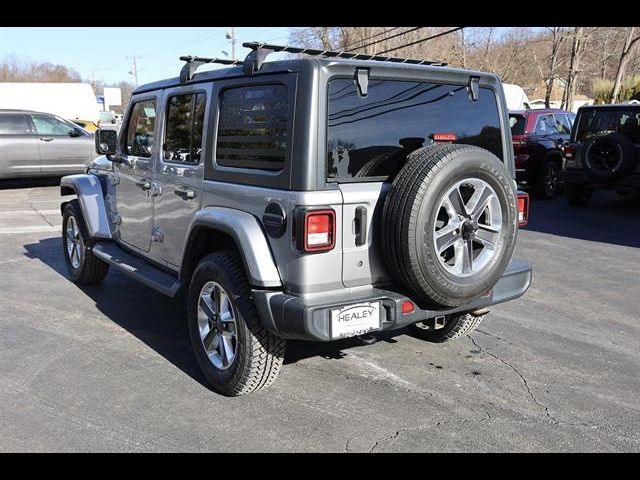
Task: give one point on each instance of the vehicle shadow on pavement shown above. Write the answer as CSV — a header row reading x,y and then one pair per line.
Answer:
x,y
160,321
15,183
156,320
608,218
299,350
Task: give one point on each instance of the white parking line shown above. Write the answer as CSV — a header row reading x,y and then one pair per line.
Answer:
x,y
35,229
27,212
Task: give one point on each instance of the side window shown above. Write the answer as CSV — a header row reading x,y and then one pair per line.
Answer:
x,y
546,125
185,122
140,129
562,124
46,125
11,124
253,127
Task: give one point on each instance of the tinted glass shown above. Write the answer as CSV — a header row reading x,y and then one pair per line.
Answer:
x,y
371,136
623,120
546,125
253,127
11,124
46,125
517,123
183,135
140,129
563,124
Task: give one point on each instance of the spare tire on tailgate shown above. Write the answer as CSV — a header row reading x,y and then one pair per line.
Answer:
x,y
449,224
608,155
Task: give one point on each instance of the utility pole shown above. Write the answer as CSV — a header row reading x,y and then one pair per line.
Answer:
x,y
231,35
134,70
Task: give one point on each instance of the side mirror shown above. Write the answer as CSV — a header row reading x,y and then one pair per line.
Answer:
x,y
106,141
76,132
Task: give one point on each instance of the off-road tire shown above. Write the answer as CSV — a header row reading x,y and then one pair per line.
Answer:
x,y
410,205
259,353
625,150
577,194
456,326
91,270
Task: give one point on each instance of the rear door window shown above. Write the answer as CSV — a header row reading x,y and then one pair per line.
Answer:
x,y
183,133
370,137
14,124
546,125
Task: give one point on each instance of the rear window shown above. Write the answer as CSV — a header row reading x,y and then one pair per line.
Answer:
x,y
623,120
253,127
517,123
371,136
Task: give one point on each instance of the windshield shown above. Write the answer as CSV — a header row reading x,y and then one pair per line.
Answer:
x,y
622,120
517,122
106,117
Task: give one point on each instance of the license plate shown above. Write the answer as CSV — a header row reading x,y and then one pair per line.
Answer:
x,y
356,319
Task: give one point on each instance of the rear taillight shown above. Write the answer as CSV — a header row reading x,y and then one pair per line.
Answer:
x,y
319,232
523,209
569,152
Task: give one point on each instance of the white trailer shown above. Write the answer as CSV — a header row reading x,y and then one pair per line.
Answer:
x,y
73,101
516,97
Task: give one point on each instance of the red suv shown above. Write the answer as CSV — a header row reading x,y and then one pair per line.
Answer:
x,y
538,136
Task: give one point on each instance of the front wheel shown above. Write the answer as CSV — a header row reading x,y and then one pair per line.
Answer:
x,y
83,266
455,326
236,353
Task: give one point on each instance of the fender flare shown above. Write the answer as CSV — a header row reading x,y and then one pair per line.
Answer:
x,y
249,237
91,199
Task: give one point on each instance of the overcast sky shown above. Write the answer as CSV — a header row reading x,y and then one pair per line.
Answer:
x,y
106,52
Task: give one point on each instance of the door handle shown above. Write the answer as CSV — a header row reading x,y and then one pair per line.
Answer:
x,y
360,224
185,193
144,184
46,139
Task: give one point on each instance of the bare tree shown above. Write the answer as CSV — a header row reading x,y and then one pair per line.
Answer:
x,y
622,65
557,36
580,37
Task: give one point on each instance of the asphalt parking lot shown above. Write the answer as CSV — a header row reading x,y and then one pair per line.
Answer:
x,y
109,368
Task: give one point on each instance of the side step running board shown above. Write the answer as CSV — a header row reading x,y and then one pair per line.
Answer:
x,y
136,268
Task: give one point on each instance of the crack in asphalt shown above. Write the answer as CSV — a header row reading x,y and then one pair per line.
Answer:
x,y
41,215
524,380
397,433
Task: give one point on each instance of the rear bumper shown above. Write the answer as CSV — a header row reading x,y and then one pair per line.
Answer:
x,y
308,317
580,176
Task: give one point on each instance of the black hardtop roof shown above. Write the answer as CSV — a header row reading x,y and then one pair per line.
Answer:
x,y
297,64
610,105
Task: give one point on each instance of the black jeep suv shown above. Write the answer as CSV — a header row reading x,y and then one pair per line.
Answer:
x,y
603,152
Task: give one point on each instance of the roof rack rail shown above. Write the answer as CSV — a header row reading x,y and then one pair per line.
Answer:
x,y
193,63
259,51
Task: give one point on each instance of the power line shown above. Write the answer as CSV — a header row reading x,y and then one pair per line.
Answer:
x,y
422,40
351,46
392,36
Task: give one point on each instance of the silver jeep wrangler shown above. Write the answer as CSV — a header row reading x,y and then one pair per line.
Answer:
x,y
318,198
